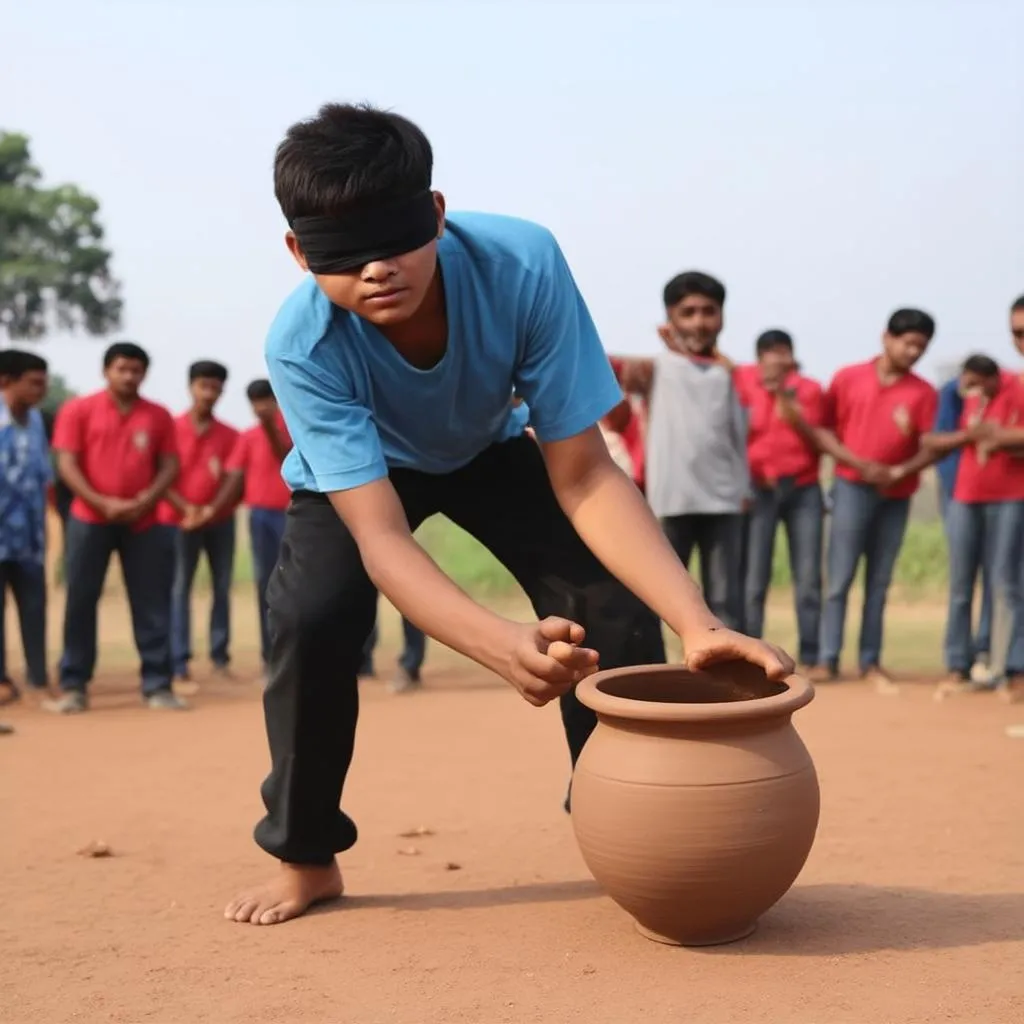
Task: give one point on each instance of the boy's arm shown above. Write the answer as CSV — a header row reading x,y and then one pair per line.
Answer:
x,y
635,375
338,440
825,440
167,469
542,660
616,523
68,443
567,382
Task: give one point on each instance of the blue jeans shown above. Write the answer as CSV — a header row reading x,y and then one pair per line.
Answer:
x,y
864,525
414,650
218,543
801,511
27,582
719,539
982,641
266,528
986,536
147,563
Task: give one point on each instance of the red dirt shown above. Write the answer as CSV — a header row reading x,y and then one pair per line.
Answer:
x,y
909,909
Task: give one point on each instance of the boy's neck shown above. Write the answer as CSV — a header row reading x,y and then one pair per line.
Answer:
x,y
200,417
886,370
422,340
18,410
124,404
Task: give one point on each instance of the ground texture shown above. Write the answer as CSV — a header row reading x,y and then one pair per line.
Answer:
x,y
910,908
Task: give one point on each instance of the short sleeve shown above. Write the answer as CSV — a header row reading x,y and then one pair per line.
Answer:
x,y
812,408
926,411
333,433
69,428
168,434
238,459
564,374
830,404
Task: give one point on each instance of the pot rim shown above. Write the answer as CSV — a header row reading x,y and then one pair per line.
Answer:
x,y
798,693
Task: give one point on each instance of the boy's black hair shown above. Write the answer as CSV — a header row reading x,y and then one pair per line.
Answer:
x,y
693,282
773,339
983,366
906,321
1018,305
349,155
207,369
259,388
126,350
15,363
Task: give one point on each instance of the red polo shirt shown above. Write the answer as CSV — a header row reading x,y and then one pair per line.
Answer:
x,y
253,456
118,452
880,423
774,448
204,457
999,476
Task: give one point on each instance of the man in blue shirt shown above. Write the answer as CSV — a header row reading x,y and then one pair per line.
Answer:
x,y
25,474
947,421
395,365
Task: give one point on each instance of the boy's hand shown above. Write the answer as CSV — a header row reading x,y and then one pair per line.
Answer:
x,y
710,645
546,660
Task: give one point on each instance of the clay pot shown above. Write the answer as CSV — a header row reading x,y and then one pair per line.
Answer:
x,y
694,801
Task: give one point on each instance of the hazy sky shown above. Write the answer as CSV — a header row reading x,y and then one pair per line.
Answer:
x,y
830,160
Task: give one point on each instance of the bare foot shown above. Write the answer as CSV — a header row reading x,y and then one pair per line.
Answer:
x,y
291,894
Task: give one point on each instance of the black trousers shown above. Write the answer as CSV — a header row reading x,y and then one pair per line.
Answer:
x,y
322,607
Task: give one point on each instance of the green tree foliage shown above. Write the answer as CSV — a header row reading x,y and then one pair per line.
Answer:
x,y
58,392
54,270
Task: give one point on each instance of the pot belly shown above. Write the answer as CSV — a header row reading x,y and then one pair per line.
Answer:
x,y
695,836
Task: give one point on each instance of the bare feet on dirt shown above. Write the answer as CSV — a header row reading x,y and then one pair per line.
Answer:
x,y
296,888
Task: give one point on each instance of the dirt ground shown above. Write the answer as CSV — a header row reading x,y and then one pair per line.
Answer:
x,y
910,908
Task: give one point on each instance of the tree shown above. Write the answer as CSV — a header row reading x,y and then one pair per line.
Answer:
x,y
58,392
54,270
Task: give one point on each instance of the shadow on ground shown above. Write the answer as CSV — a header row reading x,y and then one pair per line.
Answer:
x,y
472,899
815,920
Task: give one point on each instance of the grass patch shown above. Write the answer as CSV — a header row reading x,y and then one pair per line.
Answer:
x,y
921,572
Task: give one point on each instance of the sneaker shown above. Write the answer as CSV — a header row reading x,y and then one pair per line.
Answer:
x,y
1012,689
405,681
881,681
165,700
223,672
980,672
74,702
5,729
954,684
820,673
183,686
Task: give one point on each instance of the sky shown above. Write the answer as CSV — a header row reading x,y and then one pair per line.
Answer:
x,y
830,162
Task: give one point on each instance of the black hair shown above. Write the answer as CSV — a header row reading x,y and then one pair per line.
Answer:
x,y
693,282
983,366
15,363
207,369
769,341
1018,305
259,388
349,155
907,321
126,350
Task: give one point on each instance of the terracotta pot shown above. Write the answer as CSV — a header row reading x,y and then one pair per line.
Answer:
x,y
694,801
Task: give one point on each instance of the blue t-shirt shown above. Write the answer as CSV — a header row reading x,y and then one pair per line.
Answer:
x,y
516,323
25,473
947,419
